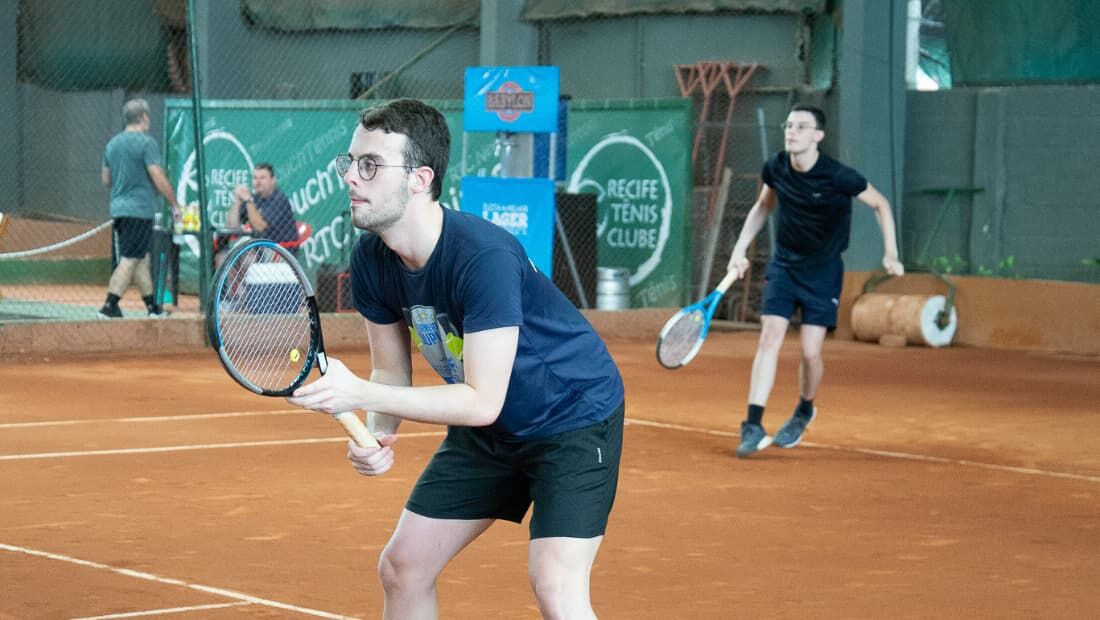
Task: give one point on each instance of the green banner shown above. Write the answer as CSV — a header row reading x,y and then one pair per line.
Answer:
x,y
633,154
300,140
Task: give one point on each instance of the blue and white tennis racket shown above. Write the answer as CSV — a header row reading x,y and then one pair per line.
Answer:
x,y
683,334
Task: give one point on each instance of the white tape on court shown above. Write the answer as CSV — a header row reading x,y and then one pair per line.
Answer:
x,y
163,611
885,453
239,596
169,418
1029,471
185,448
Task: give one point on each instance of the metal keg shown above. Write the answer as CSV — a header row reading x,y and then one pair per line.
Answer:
x,y
612,288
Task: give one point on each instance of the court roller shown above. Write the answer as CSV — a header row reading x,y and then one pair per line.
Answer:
x,y
900,319
919,319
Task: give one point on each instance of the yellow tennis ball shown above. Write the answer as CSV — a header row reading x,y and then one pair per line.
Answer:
x,y
295,355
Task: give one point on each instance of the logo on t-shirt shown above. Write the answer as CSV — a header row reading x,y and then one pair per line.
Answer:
x,y
438,341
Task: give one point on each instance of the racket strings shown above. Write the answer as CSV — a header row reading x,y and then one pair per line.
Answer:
x,y
680,339
264,320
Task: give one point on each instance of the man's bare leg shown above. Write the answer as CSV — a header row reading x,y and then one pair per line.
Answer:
x,y
411,562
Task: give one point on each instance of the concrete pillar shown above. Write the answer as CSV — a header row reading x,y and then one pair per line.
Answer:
x,y
990,174
870,130
505,39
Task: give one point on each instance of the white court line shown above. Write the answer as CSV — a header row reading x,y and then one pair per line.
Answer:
x,y
208,446
173,418
173,582
886,453
185,448
161,612
690,429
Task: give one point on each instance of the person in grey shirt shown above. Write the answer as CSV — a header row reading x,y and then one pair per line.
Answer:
x,y
132,170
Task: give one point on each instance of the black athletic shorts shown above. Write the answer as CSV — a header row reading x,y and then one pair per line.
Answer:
x,y
134,236
814,289
571,478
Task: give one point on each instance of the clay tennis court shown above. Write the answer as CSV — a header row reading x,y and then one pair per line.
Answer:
x,y
956,482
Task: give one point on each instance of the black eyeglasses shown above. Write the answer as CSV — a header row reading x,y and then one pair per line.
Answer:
x,y
367,167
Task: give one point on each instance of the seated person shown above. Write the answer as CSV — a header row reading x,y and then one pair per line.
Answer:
x,y
265,210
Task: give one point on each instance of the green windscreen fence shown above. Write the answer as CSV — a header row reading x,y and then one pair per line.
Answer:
x,y
1001,42
633,155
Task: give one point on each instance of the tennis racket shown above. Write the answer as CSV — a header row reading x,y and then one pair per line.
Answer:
x,y
683,334
264,324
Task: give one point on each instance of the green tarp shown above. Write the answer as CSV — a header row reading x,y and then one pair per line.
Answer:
x,y
1003,42
78,45
296,15
571,9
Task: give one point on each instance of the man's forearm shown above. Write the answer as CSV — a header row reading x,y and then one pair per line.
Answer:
x,y
754,222
163,186
381,422
233,215
255,216
889,233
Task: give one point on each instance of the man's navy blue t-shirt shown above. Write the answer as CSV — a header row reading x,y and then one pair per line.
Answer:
x,y
814,209
478,278
277,212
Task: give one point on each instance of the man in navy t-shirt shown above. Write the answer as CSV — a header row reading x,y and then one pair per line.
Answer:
x,y
265,208
811,194
532,399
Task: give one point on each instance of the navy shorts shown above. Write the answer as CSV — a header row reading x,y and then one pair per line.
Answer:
x,y
134,236
570,477
816,290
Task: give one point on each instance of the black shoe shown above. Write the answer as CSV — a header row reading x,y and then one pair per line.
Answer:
x,y
156,312
109,311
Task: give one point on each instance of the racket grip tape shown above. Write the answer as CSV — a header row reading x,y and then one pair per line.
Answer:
x,y
356,429
727,281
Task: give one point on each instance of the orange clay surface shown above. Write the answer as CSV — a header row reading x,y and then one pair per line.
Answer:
x,y
958,482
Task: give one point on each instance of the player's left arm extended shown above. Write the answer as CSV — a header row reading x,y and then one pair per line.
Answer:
x,y
487,355
874,199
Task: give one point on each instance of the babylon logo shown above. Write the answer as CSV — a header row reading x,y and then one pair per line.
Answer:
x,y
509,101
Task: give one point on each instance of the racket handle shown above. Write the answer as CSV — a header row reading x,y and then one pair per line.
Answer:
x,y
727,281
356,429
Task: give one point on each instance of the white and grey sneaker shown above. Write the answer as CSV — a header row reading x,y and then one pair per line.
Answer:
x,y
790,434
753,439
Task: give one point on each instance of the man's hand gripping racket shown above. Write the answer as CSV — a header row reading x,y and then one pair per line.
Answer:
x,y
264,324
683,334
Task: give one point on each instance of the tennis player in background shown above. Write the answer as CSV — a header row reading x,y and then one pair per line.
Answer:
x,y
533,401
811,194
133,172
